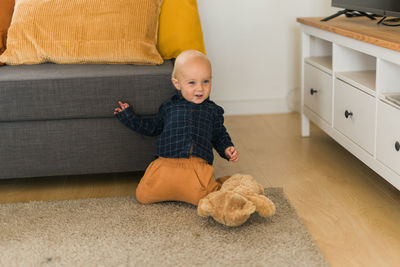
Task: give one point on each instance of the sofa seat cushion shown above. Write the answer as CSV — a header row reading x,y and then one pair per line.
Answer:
x,y
53,91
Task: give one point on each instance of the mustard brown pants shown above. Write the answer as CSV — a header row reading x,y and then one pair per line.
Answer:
x,y
178,179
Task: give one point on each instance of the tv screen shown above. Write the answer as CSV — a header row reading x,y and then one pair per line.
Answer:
x,y
378,7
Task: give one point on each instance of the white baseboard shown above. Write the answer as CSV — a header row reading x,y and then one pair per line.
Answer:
x,y
254,106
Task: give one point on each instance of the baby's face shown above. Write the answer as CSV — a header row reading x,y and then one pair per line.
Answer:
x,y
194,80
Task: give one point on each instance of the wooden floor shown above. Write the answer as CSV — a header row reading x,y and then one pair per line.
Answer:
x,y
350,211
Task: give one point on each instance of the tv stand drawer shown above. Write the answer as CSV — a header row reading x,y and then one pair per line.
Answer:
x,y
318,91
388,136
354,115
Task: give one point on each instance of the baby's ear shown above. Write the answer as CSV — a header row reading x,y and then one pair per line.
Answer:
x,y
175,83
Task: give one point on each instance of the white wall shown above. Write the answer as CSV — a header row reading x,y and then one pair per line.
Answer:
x,y
254,47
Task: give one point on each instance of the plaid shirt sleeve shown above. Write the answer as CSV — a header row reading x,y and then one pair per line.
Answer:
x,y
149,127
220,138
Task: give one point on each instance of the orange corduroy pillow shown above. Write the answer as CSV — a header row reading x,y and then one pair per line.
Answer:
x,y
6,11
83,31
179,29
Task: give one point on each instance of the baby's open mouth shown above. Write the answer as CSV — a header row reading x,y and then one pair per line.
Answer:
x,y
199,95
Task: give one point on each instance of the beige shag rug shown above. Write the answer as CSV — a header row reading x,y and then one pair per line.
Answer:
x,y
122,232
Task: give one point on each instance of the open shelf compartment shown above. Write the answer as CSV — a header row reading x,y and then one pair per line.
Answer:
x,y
320,54
388,77
355,68
364,80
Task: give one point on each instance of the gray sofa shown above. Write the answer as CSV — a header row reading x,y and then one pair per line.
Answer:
x,y
58,119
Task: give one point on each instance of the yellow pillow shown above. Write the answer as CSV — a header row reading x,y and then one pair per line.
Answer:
x,y
179,29
83,31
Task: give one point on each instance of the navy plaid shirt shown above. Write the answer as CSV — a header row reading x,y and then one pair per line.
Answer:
x,y
181,125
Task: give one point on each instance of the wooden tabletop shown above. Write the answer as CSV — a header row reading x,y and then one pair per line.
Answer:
x,y
359,28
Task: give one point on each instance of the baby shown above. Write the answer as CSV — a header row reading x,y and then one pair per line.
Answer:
x,y
189,125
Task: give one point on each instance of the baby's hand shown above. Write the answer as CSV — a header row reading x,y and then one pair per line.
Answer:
x,y
232,154
123,107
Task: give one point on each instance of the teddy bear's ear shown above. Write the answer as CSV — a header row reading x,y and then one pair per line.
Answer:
x,y
239,216
205,208
237,209
264,206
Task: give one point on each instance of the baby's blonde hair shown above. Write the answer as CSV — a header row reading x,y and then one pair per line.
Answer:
x,y
184,56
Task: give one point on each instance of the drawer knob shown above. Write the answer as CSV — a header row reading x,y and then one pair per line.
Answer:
x,y
313,91
348,114
397,146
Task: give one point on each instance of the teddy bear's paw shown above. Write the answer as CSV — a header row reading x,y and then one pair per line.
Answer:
x,y
204,208
268,209
206,205
264,206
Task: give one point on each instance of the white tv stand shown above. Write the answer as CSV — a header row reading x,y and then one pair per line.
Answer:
x,y
350,69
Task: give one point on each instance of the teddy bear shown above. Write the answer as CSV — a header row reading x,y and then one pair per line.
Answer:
x,y
238,198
